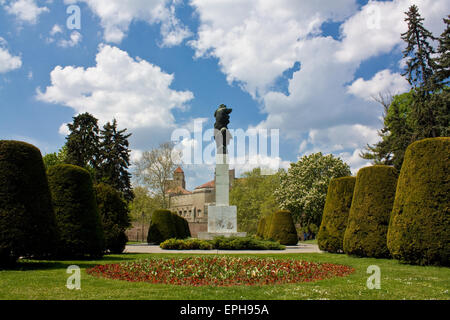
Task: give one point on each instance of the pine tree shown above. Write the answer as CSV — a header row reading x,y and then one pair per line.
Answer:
x,y
419,51
83,142
442,62
115,159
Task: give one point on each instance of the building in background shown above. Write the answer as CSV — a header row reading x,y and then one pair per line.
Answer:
x,y
192,205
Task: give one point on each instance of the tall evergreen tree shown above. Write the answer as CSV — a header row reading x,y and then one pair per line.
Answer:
x,y
115,159
442,62
419,51
420,67
83,141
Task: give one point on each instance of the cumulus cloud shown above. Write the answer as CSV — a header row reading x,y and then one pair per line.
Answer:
x,y
8,62
74,40
24,10
256,41
381,82
323,102
376,28
117,15
133,91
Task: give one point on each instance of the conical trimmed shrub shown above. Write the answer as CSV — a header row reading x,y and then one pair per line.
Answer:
x,y
261,227
370,212
282,228
419,232
27,220
162,227
335,214
77,216
267,225
180,226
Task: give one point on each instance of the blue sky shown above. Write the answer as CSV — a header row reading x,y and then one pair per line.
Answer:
x,y
306,68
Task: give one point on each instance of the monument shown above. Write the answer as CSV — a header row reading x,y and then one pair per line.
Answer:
x,y
222,218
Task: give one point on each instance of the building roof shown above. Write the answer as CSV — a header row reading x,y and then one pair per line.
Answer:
x,y
209,184
178,190
178,170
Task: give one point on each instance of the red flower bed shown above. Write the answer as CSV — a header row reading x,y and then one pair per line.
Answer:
x,y
220,271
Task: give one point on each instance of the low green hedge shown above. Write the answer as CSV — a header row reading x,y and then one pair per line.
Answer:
x,y
221,243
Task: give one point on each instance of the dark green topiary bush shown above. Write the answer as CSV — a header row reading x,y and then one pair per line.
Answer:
x,y
180,225
27,221
369,215
419,231
335,214
261,227
77,217
113,210
162,227
267,225
282,228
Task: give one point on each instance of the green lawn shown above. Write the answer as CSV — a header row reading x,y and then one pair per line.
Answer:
x,y
47,280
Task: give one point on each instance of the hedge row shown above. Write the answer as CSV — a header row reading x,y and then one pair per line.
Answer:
x,y
221,243
279,226
167,225
55,214
406,216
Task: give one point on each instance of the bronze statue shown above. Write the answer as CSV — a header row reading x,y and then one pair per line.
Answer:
x,y
221,133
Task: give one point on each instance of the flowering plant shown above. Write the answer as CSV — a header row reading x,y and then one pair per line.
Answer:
x,y
220,271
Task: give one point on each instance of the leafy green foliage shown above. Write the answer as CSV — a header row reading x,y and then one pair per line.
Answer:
x,y
370,212
282,228
77,217
221,243
27,220
52,159
303,188
113,210
253,194
335,214
419,230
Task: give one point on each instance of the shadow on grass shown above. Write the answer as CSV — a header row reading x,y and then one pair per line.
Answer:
x,y
59,263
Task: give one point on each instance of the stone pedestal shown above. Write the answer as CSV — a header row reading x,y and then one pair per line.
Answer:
x,y
222,218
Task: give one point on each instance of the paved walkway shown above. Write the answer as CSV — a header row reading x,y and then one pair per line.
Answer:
x,y
300,248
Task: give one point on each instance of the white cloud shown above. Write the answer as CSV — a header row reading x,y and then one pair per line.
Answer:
x,y
256,43
377,27
134,91
55,30
25,10
344,141
354,160
381,82
117,15
64,130
8,62
339,138
75,39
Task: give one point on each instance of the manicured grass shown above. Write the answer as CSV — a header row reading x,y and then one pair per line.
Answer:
x,y
47,280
